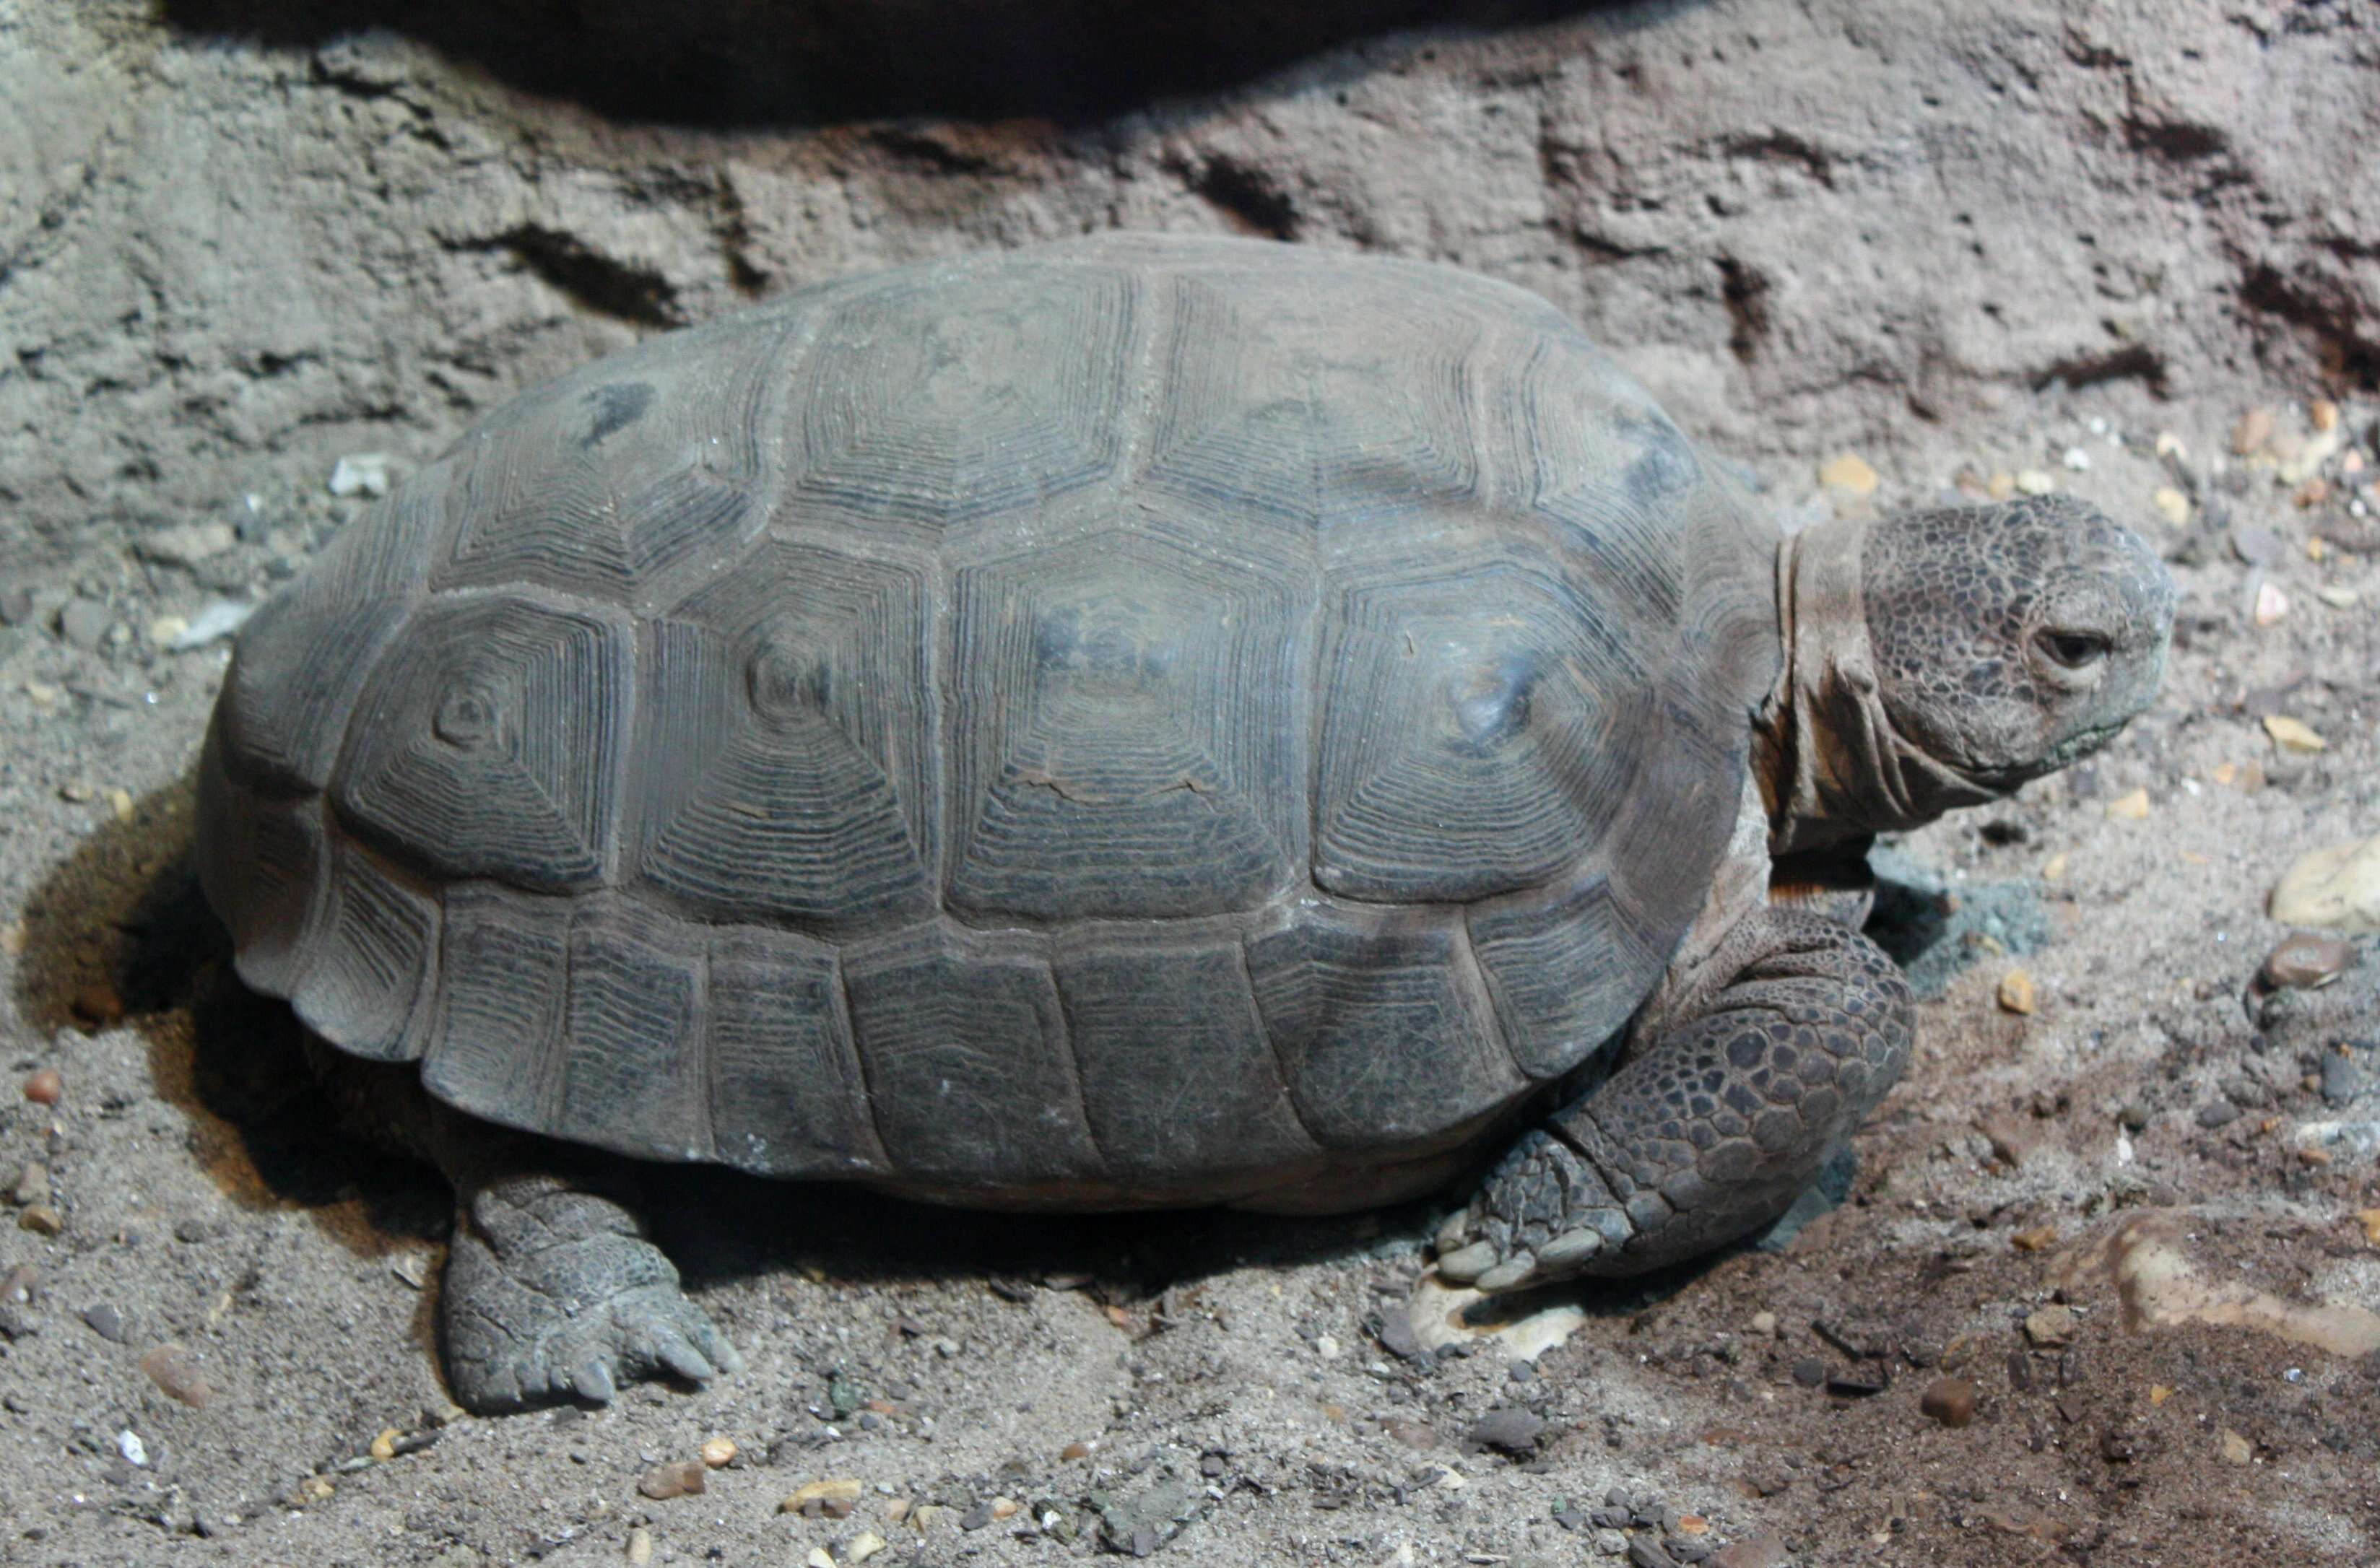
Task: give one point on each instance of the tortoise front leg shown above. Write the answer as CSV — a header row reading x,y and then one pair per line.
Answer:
x,y
1711,1129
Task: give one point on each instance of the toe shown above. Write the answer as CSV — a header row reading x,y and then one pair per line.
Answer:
x,y
1467,1264
1518,1270
671,1350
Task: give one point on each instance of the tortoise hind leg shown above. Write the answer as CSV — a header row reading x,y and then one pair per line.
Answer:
x,y
1711,1129
551,1289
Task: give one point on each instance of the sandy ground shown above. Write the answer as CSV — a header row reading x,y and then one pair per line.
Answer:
x,y
241,239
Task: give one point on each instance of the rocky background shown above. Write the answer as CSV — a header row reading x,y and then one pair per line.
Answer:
x,y
2102,1287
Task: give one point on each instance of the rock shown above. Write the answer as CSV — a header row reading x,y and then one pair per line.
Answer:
x,y
816,1495
1849,473
2051,1326
1950,1401
2344,1078
1076,1449
819,1558
863,1546
83,624
45,1086
1765,1324
1412,1434
2016,993
719,1452
2258,546
165,629
2294,735
2076,459
976,1518
98,1003
216,619
2218,1112
680,1477
2038,1238
2337,596
2132,806
2324,414
1507,1429
2251,434
1643,1551
2173,505
2271,604
1755,1552
187,544
1610,1543
2007,1136
383,1446
1809,1372
42,1220
360,474
107,1321
2336,889
640,1547
2035,481
1396,1334
2370,1220
2237,1449
33,1185
16,606
174,1370
2306,960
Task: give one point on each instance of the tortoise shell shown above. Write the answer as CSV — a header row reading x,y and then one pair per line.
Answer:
x,y
1132,721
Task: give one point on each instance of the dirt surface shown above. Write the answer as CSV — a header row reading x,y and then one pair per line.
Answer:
x,y
2140,1222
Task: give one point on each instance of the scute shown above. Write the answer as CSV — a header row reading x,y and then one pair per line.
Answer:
x,y
612,481
487,743
942,398
1124,730
784,765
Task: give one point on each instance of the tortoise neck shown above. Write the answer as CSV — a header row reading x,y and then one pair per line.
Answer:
x,y
1833,768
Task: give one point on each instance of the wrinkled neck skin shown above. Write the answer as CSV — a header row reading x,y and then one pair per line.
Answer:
x,y
1833,768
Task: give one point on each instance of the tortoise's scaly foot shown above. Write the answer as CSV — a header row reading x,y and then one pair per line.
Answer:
x,y
552,1292
1710,1131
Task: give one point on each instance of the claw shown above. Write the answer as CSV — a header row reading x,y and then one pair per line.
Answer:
x,y
1468,1263
1571,1247
1453,1230
592,1381
671,1351
1508,1274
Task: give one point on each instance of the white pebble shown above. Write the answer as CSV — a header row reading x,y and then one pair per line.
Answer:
x,y
360,474
129,1443
2077,459
219,618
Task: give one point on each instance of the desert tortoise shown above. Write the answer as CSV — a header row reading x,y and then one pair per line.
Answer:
x,y
1134,721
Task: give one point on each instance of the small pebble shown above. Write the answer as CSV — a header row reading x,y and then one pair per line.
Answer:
x,y
1848,473
2039,1238
2035,481
174,1370
865,1544
105,1322
640,1547
1809,1372
2338,597
678,1478
2258,546
2253,431
2076,459
2173,505
42,1219
1508,1429
1076,1449
819,1494
45,1086
2218,1113
383,1447
1412,1434
1765,1324
97,1003
83,624
2016,993
2237,1449
1004,1507
2325,415
2294,735
1756,1551
2370,1220
2343,1081
2271,604
33,1185
2306,960
2132,806
819,1558
2050,1326
1950,1401
719,1452
360,474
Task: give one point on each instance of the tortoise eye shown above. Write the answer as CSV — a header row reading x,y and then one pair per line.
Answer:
x,y
2075,650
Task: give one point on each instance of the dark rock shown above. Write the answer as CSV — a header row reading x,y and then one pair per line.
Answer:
x,y
1396,1334
106,1322
1507,1429
2306,960
2218,1113
1645,1552
1758,1551
1809,1372
2344,1077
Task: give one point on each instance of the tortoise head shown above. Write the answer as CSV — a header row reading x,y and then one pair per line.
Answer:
x,y
2010,641
1944,658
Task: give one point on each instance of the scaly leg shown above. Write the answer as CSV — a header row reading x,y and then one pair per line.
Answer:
x,y
1711,1129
